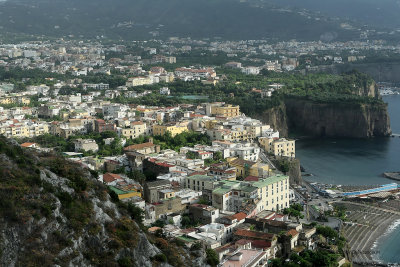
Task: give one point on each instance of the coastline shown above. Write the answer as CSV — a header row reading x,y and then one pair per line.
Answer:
x,y
394,226
366,229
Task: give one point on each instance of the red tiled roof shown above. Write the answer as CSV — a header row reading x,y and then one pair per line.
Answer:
x,y
27,144
240,216
196,116
292,232
253,234
111,177
138,146
262,244
251,179
163,164
153,229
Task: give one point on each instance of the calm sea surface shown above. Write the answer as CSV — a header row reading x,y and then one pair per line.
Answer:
x,y
353,161
358,162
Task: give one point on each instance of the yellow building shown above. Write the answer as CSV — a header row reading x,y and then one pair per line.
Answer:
x,y
284,148
173,129
124,193
246,168
243,167
15,99
24,100
137,128
241,135
278,147
6,100
210,124
228,111
270,193
139,81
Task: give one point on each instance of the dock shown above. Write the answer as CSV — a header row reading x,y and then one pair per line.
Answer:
x,y
392,175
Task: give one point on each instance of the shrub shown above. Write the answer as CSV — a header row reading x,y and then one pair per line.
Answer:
x,y
212,257
125,262
160,258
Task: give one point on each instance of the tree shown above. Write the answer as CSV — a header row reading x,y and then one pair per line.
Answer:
x,y
212,257
191,155
218,156
327,232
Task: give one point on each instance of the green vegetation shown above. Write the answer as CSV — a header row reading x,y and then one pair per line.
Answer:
x,y
61,145
177,17
237,90
187,222
26,197
327,232
294,210
166,141
212,257
308,258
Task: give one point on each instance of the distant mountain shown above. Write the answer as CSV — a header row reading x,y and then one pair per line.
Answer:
x,y
378,13
143,19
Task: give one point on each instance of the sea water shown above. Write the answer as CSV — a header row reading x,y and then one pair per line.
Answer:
x,y
359,162
353,161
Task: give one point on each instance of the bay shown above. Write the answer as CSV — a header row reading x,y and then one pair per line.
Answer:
x,y
353,161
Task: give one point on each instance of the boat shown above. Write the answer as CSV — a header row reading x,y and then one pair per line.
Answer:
x,y
392,175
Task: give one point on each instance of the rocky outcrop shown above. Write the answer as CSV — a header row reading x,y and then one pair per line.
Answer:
x,y
295,172
370,90
290,167
306,117
55,213
276,118
337,119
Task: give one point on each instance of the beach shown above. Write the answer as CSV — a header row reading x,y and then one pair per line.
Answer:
x,y
366,228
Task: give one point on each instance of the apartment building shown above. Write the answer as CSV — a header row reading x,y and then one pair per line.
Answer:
x,y
271,193
136,129
173,129
278,146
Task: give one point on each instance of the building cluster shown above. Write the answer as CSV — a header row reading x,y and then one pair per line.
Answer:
x,y
224,193
241,191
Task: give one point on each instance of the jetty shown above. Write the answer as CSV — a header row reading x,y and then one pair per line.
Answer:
x,y
392,175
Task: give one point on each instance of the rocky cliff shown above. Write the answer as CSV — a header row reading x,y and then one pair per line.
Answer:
x,y
337,119
276,117
53,212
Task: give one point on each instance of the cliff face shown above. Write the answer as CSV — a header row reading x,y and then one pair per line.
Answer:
x,y
337,120
370,90
276,117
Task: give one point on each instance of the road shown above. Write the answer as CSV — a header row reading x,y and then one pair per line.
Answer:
x,y
264,158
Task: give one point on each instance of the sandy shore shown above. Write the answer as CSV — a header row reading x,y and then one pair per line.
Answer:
x,y
365,228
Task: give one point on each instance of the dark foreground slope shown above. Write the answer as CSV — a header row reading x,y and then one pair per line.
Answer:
x,y
53,212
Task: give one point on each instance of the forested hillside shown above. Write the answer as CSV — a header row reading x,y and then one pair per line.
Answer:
x,y
138,19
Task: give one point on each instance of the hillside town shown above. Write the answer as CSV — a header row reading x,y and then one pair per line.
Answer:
x,y
203,173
